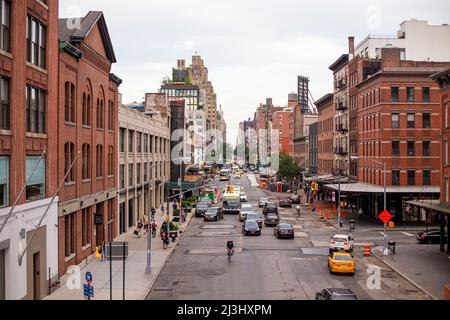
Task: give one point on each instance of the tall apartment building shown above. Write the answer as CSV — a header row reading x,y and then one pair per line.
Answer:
x,y
221,130
325,134
87,124
341,140
28,127
281,122
313,143
144,163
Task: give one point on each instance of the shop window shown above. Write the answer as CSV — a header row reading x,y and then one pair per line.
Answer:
x,y
35,188
4,181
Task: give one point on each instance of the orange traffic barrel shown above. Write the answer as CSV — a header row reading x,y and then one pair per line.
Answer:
x,y
367,250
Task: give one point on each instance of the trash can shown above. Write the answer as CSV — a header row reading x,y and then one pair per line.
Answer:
x,y
352,225
391,245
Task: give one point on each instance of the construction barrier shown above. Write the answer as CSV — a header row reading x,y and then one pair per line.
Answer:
x,y
367,250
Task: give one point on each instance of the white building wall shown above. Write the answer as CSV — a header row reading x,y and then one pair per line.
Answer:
x,y
26,216
422,42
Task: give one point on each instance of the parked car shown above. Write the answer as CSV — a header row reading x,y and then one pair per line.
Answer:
x,y
201,208
213,213
244,209
295,198
262,202
341,242
341,262
251,227
285,202
271,219
254,216
336,294
430,236
243,196
270,207
284,230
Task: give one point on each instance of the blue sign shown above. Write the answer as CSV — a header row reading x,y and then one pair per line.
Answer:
x,y
88,277
88,290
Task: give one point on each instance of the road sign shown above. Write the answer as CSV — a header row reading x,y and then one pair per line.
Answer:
x,y
88,291
385,216
88,277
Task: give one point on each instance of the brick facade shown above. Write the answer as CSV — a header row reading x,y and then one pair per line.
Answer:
x,y
325,137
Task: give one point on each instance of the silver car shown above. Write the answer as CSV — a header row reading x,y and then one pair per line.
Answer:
x,y
262,202
244,209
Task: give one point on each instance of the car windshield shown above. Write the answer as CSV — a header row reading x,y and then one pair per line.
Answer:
x,y
252,216
212,211
284,226
271,206
263,200
272,216
342,257
202,205
231,203
246,209
340,239
343,297
251,224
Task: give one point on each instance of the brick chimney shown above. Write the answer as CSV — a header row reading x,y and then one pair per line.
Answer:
x,y
351,45
390,57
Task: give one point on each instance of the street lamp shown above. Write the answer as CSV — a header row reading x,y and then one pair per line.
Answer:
x,y
384,178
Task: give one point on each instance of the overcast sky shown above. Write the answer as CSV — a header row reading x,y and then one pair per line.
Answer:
x,y
253,48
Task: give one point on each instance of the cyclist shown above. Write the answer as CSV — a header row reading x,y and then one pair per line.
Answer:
x,y
230,249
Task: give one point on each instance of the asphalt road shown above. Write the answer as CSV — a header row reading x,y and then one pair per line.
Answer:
x,y
264,267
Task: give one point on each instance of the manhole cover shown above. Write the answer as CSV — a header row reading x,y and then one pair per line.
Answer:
x,y
220,226
316,251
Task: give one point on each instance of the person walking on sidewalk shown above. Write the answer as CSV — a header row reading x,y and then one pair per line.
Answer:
x,y
165,239
103,250
360,214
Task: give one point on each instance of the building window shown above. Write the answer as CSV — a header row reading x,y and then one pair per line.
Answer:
x,y
145,172
69,102
35,188
151,170
99,162
395,177
446,112
426,120
138,173
86,109
426,177
411,177
86,161
5,32
394,94
110,161
69,156
395,120
447,190
4,103
138,142
426,94
410,120
100,113
35,109
130,174
130,141
122,176
145,142
410,147
151,144
410,94
110,115
36,42
69,226
85,227
426,148
395,148
446,152
121,140
4,181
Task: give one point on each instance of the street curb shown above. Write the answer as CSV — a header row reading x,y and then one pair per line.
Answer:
x,y
404,276
167,258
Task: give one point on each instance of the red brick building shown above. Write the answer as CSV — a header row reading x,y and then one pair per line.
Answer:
x,y
87,124
281,122
28,113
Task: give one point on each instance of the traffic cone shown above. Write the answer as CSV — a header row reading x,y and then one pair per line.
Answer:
x,y
367,250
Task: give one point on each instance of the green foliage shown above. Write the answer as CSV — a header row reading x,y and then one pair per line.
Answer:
x,y
176,212
172,226
287,167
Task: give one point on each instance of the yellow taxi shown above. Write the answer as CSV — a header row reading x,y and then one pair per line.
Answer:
x,y
341,262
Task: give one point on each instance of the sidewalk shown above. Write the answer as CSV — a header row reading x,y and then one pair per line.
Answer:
x,y
424,266
137,283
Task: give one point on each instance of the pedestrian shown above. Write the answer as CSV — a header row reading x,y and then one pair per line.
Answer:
x,y
165,239
360,214
153,213
162,209
103,248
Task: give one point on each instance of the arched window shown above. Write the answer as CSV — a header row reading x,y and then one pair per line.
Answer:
x,y
110,116
69,102
100,119
86,163
69,156
99,162
87,105
110,161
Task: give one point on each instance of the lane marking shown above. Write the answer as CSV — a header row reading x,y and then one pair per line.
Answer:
x,y
407,234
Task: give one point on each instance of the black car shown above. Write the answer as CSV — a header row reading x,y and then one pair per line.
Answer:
x,y
430,236
271,219
251,228
270,207
213,213
201,208
336,294
284,230
285,202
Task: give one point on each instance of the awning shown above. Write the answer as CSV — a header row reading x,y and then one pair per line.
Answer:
x,y
371,188
435,205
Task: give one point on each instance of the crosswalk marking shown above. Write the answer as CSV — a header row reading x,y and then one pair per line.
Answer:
x,y
407,234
